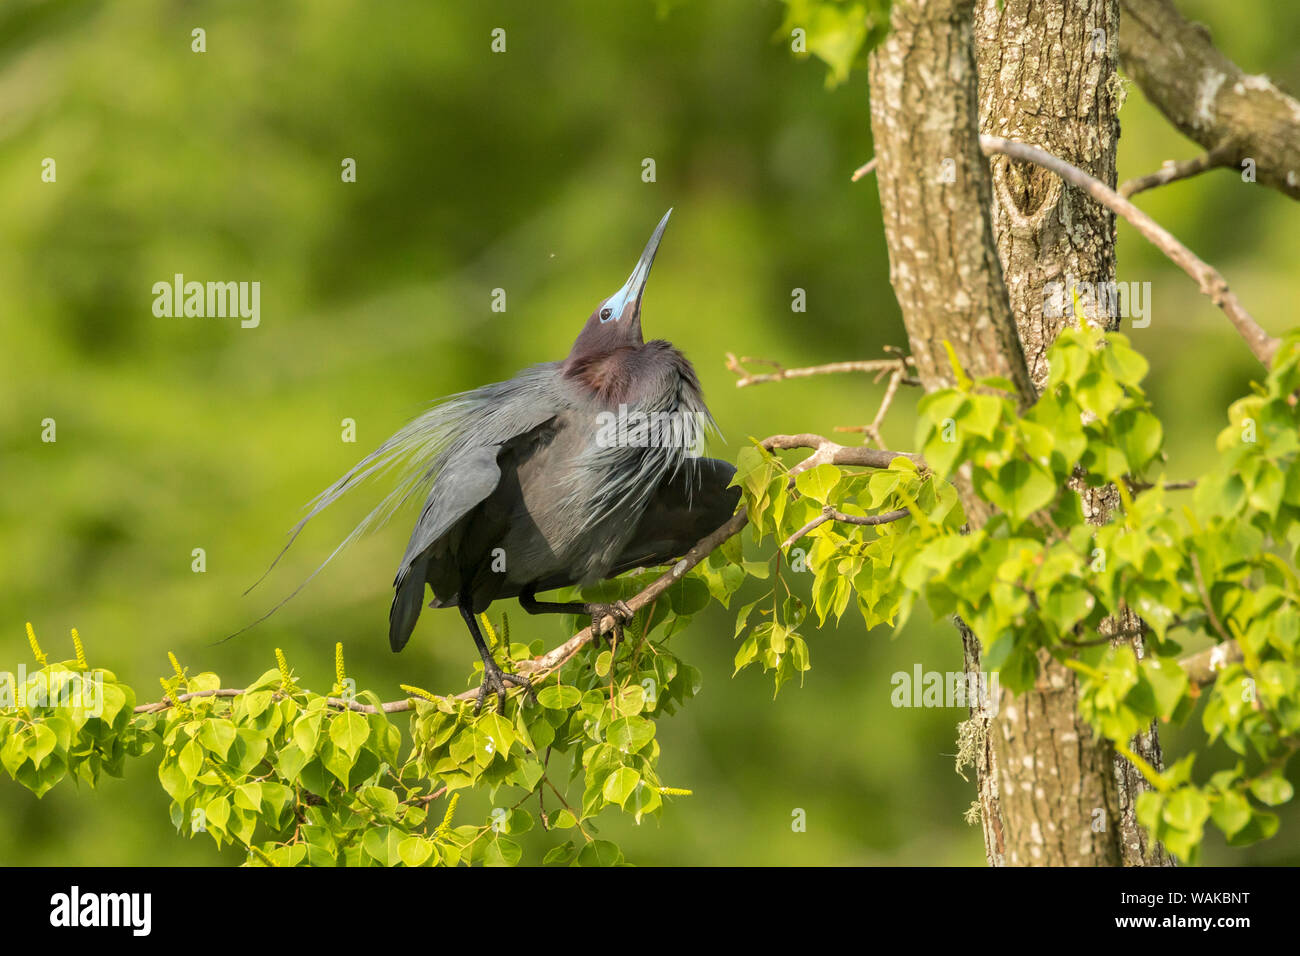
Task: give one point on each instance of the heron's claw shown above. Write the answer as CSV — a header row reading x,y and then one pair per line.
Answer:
x,y
618,610
495,681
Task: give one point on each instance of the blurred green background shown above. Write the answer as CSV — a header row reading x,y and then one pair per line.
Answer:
x,y
518,170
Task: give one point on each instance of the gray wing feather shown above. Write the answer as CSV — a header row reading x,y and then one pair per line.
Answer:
x,y
463,483
449,431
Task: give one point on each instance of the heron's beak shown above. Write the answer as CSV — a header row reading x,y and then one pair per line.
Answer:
x,y
634,288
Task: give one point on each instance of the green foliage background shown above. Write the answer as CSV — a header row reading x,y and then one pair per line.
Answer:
x,y
476,171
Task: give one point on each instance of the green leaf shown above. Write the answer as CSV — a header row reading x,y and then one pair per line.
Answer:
x,y
114,699
1231,813
564,820
190,760
415,850
982,415
1272,790
561,854
600,853
43,742
1262,826
619,785
1186,809
630,734
502,852
1019,490
216,735
381,843
348,731
840,35
381,799
1168,682
337,761
1099,394
306,731
217,812
1127,365
290,761
818,483
1140,435
256,702
559,697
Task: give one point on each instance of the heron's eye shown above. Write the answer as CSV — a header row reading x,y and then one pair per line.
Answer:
x,y
605,314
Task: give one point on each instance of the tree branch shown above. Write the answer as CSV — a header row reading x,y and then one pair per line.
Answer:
x,y
1174,170
872,431
830,453
747,377
1211,283
1202,668
866,169
1207,96
830,513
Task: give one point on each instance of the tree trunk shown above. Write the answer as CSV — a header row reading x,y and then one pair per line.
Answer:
x,y
970,255
934,196
1047,78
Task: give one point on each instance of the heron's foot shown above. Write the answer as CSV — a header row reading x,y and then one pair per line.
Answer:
x,y
495,681
618,610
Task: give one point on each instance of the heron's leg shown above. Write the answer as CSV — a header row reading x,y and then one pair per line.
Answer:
x,y
494,679
618,610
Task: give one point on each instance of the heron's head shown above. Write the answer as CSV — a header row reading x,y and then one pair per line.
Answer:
x,y
616,322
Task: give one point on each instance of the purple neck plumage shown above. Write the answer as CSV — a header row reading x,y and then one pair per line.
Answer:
x,y
631,374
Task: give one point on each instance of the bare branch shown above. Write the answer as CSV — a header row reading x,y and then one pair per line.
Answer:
x,y
830,513
1209,98
747,377
1174,170
864,170
1202,668
872,431
1211,283
817,522
828,452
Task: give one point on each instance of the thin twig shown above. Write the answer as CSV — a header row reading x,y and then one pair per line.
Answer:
x,y
1211,283
427,798
829,513
831,453
1186,485
817,522
872,431
1174,170
866,169
754,378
